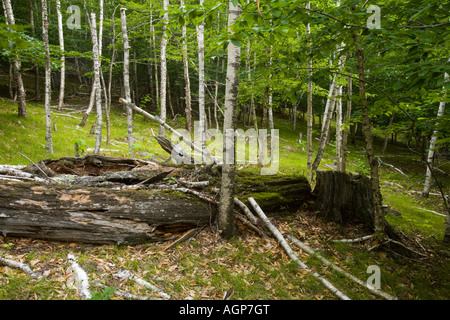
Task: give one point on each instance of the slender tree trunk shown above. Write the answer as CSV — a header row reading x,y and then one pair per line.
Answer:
x,y
155,60
187,82
97,85
22,106
164,42
226,206
63,57
339,118
113,59
126,77
386,137
331,102
373,163
309,107
347,128
201,83
48,119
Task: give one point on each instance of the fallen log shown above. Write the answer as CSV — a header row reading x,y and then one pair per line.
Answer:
x,y
98,215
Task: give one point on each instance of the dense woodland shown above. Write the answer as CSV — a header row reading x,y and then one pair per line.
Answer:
x,y
348,70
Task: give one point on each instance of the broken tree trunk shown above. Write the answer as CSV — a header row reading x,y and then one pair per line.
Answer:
x,y
98,215
345,198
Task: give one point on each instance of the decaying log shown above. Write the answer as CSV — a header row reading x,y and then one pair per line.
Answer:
x,y
98,215
80,278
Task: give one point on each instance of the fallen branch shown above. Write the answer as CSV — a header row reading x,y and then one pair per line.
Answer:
x,y
338,269
246,211
173,131
125,274
39,168
186,236
81,278
291,253
122,294
356,239
19,265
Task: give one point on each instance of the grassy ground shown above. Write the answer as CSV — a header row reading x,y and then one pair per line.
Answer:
x,y
205,267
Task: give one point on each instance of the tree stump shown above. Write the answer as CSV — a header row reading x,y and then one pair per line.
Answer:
x,y
344,198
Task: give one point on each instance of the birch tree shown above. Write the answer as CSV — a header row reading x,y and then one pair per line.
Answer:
x,y
201,83
187,82
48,88
16,66
164,42
309,106
63,57
430,156
226,206
97,85
126,76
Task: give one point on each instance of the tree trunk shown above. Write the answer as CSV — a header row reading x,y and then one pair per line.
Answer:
x,y
430,157
22,107
164,41
201,84
347,199
48,119
347,128
98,215
187,81
310,114
126,78
97,85
373,163
226,206
113,59
63,57
331,102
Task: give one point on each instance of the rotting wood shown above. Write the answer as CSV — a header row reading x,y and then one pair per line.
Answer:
x,y
98,215
19,265
80,278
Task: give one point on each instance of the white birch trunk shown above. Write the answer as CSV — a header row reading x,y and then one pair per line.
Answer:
x,y
343,167
164,42
16,65
201,83
126,77
97,85
48,88
63,57
430,157
226,206
187,81
309,125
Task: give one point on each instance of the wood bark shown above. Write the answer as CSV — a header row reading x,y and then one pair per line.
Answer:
x,y
201,84
348,114
17,66
373,163
163,88
310,115
48,119
226,206
98,215
63,57
348,199
126,78
97,84
430,156
187,81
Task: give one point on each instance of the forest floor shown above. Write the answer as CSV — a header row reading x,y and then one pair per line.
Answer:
x,y
205,267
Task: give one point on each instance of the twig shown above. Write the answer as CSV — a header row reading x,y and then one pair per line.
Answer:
x,y
19,265
338,269
120,293
81,278
125,274
355,240
291,253
43,172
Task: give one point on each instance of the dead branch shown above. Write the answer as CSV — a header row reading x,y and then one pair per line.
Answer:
x,y
125,274
19,265
81,278
291,253
309,250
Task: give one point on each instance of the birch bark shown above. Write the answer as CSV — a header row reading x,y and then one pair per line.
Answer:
x,y
48,88
226,206
63,57
126,77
